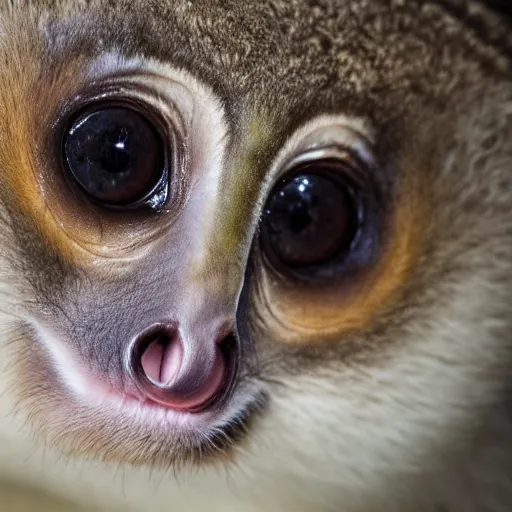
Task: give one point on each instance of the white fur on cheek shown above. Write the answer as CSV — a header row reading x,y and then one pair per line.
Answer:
x,y
381,437
64,363
377,438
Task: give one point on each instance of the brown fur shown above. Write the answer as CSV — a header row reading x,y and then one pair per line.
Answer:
x,y
434,82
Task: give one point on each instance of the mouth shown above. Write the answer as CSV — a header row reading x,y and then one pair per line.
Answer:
x,y
82,414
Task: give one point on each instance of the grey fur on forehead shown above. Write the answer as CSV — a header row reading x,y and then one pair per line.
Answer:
x,y
483,15
307,50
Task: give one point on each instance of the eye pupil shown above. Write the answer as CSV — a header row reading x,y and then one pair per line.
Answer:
x,y
310,218
115,157
115,161
114,154
300,219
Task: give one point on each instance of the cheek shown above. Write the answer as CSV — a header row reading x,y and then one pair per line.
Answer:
x,y
26,107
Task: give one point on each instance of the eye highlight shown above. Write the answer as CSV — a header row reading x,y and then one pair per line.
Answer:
x,y
310,217
115,155
317,221
340,234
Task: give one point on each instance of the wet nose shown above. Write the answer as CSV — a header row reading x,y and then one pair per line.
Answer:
x,y
179,371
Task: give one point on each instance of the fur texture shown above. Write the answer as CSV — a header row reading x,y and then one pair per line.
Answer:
x,y
388,391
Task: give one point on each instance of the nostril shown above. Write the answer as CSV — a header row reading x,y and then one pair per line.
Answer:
x,y
229,347
162,356
191,374
148,356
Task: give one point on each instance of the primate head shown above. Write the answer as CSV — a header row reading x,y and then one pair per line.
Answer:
x,y
271,237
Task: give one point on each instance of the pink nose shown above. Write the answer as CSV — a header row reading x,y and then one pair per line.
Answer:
x,y
180,375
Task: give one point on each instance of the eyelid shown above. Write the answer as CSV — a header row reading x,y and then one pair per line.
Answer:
x,y
335,138
356,164
351,136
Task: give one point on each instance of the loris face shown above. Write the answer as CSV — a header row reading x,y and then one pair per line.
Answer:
x,y
268,239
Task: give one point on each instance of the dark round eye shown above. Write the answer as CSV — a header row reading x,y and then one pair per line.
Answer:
x,y
310,218
115,155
